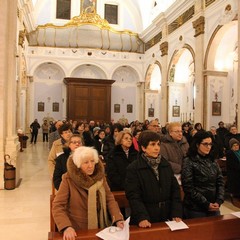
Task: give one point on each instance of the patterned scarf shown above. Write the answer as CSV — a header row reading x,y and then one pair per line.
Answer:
x,y
153,163
237,153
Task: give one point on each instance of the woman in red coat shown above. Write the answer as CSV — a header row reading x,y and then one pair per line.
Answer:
x,y
84,198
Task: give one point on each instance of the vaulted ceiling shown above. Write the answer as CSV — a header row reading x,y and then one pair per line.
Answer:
x,y
140,13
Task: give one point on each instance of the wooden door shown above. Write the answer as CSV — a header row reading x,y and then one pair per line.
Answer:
x,y
89,99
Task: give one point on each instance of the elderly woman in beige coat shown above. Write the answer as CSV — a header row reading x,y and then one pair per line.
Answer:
x,y
84,199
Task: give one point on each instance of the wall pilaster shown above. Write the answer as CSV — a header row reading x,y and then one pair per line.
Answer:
x,y
8,139
164,88
199,25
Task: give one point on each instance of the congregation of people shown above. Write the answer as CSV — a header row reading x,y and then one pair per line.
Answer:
x,y
167,172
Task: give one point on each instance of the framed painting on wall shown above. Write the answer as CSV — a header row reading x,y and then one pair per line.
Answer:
x,y
55,107
216,108
151,112
117,108
88,6
129,108
176,111
40,106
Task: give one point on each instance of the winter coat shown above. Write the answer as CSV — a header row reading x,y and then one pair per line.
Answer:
x,y
70,205
101,147
56,150
174,152
60,167
151,199
34,127
202,183
233,173
116,166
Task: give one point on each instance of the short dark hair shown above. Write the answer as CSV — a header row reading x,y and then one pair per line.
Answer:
x,y
64,127
147,136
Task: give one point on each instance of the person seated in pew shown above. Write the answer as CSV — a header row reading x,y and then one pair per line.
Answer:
x,y
151,188
202,179
123,154
84,199
74,142
233,168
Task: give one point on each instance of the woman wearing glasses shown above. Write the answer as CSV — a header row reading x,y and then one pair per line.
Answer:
x,y
202,179
74,142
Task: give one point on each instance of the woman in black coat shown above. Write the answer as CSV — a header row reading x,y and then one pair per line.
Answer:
x,y
202,179
151,188
123,154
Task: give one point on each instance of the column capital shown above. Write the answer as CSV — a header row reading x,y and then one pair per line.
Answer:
x,y
199,25
164,48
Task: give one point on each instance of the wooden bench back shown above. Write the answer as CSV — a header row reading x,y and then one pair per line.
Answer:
x,y
224,227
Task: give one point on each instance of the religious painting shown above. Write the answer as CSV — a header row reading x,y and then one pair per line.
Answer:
x,y
88,6
40,106
176,111
55,107
129,108
151,112
216,108
117,108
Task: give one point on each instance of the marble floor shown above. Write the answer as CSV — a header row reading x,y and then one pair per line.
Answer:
x,y
24,211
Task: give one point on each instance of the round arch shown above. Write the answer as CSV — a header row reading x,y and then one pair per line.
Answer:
x,y
88,70
37,64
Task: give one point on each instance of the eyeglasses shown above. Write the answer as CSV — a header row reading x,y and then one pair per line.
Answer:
x,y
76,142
205,144
154,126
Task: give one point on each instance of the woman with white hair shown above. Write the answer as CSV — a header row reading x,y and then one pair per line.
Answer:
x,y
84,199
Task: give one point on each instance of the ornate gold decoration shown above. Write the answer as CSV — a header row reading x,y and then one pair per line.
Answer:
x,y
199,25
87,18
92,18
21,37
181,20
164,48
208,2
156,39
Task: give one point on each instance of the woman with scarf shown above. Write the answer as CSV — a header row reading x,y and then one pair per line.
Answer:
x,y
151,188
233,168
84,200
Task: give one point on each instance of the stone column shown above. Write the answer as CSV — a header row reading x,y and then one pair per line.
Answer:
x,y
198,25
164,87
8,138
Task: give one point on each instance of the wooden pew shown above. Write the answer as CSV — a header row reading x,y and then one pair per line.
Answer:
x,y
226,227
120,197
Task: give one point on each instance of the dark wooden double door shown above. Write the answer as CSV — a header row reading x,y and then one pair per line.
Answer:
x,y
89,99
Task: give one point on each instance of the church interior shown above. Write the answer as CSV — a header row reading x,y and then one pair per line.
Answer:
x,y
174,60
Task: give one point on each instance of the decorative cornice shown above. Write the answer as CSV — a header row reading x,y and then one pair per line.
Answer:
x,y
208,2
199,26
164,48
181,20
156,39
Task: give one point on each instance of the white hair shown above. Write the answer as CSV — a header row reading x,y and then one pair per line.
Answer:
x,y
80,153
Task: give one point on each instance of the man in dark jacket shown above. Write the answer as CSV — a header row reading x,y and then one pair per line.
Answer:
x,y
34,130
151,188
